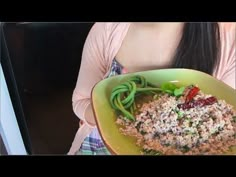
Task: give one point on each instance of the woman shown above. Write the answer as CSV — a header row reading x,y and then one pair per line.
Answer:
x,y
116,48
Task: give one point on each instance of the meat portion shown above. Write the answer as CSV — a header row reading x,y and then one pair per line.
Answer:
x,y
203,125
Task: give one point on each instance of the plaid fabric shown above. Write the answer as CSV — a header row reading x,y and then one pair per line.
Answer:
x,y
93,144
116,69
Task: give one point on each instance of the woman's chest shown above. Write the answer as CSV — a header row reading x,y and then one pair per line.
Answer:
x,y
141,54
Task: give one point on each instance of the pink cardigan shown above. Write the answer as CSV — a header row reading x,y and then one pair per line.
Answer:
x,y
102,45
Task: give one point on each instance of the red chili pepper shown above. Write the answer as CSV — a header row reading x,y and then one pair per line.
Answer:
x,y
192,93
199,102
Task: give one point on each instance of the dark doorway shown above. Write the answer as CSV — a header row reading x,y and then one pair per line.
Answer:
x,y
46,60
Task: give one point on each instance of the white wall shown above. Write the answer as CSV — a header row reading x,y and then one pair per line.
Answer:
x,y
9,129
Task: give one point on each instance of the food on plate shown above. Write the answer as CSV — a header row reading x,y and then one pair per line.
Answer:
x,y
168,119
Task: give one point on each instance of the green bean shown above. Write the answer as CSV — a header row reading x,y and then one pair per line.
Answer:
x,y
129,103
121,108
113,96
123,96
132,89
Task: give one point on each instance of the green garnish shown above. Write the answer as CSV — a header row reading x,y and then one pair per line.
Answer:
x,y
151,152
172,89
143,132
138,126
180,115
234,118
179,91
185,149
168,87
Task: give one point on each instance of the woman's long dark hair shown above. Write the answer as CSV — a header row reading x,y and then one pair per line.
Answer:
x,y
199,47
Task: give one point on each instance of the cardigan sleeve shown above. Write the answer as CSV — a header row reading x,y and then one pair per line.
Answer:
x,y
92,69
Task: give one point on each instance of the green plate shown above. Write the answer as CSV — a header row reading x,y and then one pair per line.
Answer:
x,y
106,116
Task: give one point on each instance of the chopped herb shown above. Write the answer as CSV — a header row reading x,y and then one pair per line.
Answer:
x,y
175,110
188,119
138,126
167,144
146,150
185,149
212,117
188,132
151,152
157,153
234,118
143,132
215,133
180,115
156,135
190,124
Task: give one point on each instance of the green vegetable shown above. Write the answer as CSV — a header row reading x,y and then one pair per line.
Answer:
x,y
179,91
151,152
185,149
215,133
180,114
138,126
167,144
168,87
234,118
143,132
172,89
